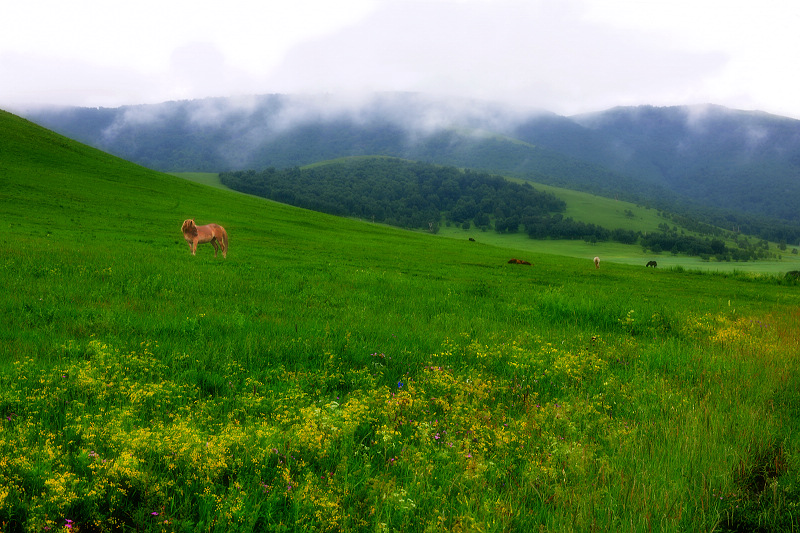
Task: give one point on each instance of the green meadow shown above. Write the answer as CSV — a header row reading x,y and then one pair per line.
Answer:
x,y
336,375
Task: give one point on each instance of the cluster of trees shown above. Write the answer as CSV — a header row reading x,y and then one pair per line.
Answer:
x,y
726,222
401,193
559,227
710,244
702,247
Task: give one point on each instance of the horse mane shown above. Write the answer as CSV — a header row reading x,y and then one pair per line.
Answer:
x,y
189,227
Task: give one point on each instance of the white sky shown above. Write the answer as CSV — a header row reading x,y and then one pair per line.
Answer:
x,y
566,56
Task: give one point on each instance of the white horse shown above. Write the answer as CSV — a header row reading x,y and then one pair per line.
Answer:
x,y
597,262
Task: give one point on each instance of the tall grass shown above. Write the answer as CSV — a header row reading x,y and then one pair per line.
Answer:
x,y
332,375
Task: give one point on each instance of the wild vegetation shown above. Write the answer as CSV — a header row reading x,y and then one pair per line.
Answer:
x,y
336,375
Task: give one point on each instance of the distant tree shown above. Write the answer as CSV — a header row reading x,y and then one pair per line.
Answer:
x,y
718,247
482,220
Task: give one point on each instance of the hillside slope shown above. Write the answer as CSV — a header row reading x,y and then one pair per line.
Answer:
x,y
45,173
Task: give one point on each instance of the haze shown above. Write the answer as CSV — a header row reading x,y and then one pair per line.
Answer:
x,y
567,56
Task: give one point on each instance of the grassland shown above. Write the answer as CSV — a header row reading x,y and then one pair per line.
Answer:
x,y
333,375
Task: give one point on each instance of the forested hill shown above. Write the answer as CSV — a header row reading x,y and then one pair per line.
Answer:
x,y
680,159
401,193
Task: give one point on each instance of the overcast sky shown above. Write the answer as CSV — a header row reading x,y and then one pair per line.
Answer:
x,y
566,56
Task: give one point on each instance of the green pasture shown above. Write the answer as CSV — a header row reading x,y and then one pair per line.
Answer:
x,y
337,375
613,253
605,212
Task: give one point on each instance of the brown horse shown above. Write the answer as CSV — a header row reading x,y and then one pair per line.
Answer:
x,y
213,233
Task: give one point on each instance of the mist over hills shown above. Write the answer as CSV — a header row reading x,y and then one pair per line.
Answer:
x,y
701,156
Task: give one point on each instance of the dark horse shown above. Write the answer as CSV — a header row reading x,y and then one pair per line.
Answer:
x,y
213,233
652,264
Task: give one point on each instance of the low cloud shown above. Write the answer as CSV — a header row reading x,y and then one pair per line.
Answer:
x,y
534,55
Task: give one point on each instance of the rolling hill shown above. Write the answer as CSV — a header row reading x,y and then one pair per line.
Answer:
x,y
679,158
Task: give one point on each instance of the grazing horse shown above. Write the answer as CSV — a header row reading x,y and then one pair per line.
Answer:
x,y
213,233
597,262
518,262
652,264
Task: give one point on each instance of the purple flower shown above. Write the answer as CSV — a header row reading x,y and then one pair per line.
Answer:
x,y
399,384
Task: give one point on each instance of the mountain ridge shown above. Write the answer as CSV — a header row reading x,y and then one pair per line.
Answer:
x,y
699,156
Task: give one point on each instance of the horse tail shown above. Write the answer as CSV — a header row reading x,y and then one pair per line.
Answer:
x,y
224,243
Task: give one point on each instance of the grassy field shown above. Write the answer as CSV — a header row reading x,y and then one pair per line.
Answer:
x,y
334,375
